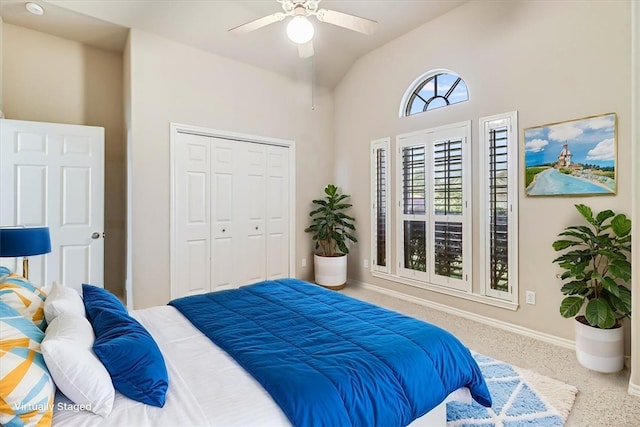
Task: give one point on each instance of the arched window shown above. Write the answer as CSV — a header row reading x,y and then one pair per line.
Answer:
x,y
433,90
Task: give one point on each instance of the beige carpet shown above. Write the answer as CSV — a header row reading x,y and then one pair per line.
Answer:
x,y
602,399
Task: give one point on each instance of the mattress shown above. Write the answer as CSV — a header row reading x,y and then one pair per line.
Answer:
x,y
206,386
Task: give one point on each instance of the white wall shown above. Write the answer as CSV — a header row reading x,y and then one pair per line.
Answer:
x,y
52,79
171,82
634,383
544,59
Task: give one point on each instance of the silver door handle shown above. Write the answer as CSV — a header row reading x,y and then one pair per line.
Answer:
x,y
95,235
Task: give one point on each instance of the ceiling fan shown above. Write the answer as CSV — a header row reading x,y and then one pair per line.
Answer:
x,y
300,29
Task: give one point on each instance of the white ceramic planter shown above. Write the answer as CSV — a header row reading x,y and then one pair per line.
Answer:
x,y
600,350
331,272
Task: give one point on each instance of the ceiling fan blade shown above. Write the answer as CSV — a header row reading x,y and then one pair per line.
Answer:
x,y
258,23
344,20
305,50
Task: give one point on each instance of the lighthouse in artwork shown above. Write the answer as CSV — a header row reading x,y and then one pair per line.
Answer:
x,y
564,158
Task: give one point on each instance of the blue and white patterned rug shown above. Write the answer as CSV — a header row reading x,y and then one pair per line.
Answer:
x,y
520,398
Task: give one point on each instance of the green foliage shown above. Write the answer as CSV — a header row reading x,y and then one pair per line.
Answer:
x,y
530,174
597,266
331,228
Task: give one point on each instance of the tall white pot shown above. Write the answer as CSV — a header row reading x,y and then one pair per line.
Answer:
x,y
331,272
600,350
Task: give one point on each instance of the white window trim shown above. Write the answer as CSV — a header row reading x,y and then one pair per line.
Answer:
x,y
418,81
394,259
380,144
485,125
430,279
470,296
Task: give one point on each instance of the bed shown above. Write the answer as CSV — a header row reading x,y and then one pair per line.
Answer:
x,y
208,387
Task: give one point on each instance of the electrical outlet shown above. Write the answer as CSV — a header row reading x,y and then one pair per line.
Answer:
x,y
304,262
531,297
365,263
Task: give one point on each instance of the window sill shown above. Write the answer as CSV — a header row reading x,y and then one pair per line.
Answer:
x,y
483,299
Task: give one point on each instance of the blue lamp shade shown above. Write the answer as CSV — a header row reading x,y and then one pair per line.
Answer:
x,y
27,241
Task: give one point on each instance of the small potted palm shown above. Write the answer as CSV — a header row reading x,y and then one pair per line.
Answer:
x,y
597,271
332,230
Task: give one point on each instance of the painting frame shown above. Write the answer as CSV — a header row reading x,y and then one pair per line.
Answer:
x,y
572,158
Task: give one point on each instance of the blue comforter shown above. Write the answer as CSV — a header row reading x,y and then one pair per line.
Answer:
x,y
331,360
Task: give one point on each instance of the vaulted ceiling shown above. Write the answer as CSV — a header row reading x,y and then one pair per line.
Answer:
x,y
205,23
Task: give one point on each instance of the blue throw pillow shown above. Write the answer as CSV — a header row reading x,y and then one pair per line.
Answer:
x,y
126,349
98,300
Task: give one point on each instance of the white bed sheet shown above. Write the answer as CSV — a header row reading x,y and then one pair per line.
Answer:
x,y
206,386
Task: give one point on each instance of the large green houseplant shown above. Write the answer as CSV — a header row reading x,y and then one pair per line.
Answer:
x,y
596,267
596,273
332,229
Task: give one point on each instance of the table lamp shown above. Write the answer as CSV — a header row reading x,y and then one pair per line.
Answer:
x,y
24,242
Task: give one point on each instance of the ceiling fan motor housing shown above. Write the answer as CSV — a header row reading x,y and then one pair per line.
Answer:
x,y
300,30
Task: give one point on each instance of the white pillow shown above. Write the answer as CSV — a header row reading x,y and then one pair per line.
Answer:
x,y
73,365
62,299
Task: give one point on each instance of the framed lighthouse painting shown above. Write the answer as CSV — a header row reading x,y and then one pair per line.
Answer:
x,y
571,158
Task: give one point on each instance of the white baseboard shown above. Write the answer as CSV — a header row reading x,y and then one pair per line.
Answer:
x,y
634,389
551,339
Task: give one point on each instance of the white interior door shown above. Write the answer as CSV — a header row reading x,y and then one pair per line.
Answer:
x,y
53,175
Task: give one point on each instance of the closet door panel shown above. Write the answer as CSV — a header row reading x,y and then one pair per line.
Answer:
x,y
193,214
232,206
224,229
277,211
251,214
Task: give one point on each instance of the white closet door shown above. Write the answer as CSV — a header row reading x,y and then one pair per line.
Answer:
x,y
193,214
53,175
231,224
277,210
224,228
251,196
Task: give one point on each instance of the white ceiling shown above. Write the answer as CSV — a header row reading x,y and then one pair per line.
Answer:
x,y
205,23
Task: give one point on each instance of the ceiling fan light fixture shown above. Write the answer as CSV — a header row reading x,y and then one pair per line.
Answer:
x,y
34,8
300,30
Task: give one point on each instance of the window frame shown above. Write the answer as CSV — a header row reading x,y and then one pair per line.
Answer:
x,y
377,145
427,138
419,83
486,124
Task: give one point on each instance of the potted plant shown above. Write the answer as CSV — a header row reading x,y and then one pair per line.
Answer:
x,y
331,229
596,272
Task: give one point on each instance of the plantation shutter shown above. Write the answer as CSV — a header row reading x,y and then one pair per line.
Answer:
x,y
380,249
498,209
447,191
414,211
499,206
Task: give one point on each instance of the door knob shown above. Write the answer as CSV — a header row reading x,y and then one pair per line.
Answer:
x,y
95,235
